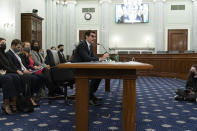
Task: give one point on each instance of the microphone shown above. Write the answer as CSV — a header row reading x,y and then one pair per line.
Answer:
x,y
103,48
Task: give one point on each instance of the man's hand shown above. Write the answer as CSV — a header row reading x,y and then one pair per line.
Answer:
x,y
36,67
104,57
27,72
19,72
192,92
48,66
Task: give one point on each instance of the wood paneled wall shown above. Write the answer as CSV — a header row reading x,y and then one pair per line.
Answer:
x,y
165,65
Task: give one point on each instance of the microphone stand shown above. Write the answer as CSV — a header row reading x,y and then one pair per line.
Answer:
x,y
108,58
103,48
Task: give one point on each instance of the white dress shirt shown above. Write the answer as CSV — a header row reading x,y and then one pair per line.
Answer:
x,y
88,44
20,61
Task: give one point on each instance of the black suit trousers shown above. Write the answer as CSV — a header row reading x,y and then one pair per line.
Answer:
x,y
10,84
94,84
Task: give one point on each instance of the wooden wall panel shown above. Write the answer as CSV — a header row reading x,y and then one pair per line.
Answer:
x,y
165,65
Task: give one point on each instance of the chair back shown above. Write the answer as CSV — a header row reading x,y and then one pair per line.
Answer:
x,y
134,52
161,52
173,52
55,57
122,52
146,52
52,58
189,51
58,75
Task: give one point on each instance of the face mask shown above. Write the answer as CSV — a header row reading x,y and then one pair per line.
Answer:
x,y
192,73
36,48
61,50
42,53
3,47
16,50
27,49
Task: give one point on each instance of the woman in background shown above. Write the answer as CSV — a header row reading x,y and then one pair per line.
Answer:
x,y
39,61
28,62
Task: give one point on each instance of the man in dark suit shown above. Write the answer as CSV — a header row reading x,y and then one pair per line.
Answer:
x,y
61,54
13,56
84,53
9,80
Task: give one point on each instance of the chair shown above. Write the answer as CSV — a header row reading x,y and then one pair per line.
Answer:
x,y
122,52
188,51
173,52
62,77
161,52
134,52
146,52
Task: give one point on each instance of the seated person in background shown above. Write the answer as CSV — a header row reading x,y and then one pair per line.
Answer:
x,y
28,62
27,58
39,61
53,48
9,81
37,57
41,51
13,56
61,54
84,53
190,93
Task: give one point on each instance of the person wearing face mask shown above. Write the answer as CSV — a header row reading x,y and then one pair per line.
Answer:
x,y
29,64
37,57
61,53
39,61
190,91
9,81
27,59
34,81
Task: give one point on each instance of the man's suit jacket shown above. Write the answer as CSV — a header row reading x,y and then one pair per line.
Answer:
x,y
83,54
61,57
11,56
39,60
6,64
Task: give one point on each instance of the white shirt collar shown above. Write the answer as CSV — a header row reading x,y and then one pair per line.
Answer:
x,y
14,52
88,44
19,59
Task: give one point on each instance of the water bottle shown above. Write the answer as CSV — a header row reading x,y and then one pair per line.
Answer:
x,y
116,58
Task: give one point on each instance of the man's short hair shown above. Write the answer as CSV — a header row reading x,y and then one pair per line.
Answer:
x,y
34,41
2,39
87,33
15,42
59,46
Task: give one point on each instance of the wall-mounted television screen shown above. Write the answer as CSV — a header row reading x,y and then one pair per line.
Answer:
x,y
132,13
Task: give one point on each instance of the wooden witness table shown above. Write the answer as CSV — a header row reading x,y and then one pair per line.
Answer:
x,y
107,70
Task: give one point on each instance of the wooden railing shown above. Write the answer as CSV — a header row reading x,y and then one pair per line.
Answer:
x,y
165,65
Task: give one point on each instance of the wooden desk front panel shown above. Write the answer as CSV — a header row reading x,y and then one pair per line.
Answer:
x,y
165,65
